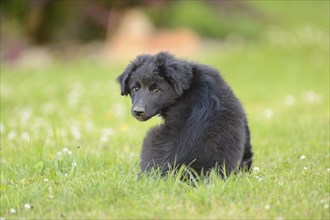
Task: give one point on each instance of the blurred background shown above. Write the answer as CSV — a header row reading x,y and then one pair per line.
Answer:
x,y
41,31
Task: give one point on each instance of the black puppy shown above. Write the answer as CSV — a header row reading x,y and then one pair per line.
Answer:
x,y
204,125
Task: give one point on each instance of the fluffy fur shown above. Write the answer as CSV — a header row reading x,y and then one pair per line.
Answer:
x,y
204,125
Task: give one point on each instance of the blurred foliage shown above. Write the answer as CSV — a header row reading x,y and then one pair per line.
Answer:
x,y
216,19
49,20
249,19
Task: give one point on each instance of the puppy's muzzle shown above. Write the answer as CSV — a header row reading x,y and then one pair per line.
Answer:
x,y
138,111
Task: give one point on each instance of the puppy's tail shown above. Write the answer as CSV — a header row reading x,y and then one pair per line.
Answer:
x,y
247,160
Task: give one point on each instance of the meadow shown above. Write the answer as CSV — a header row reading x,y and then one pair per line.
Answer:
x,y
70,148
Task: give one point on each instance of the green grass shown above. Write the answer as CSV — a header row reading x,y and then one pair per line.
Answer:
x,y
70,149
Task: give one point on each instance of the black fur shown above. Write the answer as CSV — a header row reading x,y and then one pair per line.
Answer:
x,y
204,125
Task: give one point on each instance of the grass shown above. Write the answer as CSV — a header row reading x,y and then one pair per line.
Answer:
x,y
70,149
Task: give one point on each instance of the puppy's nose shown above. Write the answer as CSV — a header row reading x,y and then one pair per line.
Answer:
x,y
138,111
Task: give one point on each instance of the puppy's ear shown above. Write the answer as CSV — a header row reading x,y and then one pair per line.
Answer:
x,y
123,79
178,72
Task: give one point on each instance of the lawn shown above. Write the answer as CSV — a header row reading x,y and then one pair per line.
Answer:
x,y
70,148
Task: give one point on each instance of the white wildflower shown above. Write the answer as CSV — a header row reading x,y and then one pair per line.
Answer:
x,y
67,151
74,164
312,97
11,135
131,156
267,206
269,113
50,196
48,108
328,170
12,211
119,110
326,206
302,157
75,133
25,136
106,133
27,206
305,168
2,128
290,100
66,175
46,180
256,169
26,114
86,110
104,138
89,126
74,96
2,218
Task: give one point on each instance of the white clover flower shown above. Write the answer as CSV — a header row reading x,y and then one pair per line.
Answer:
x,y
11,135
48,107
328,170
302,157
89,126
50,196
119,110
46,180
312,97
66,175
67,151
131,156
256,169
27,206
74,164
267,206
26,114
305,168
105,134
269,113
2,218
25,136
326,206
2,128
76,133
290,100
259,178
74,96
108,131
104,138
12,211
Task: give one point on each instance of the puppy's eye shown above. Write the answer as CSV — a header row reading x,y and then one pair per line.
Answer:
x,y
135,88
156,90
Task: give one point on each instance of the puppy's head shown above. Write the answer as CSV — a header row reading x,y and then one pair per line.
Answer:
x,y
154,83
